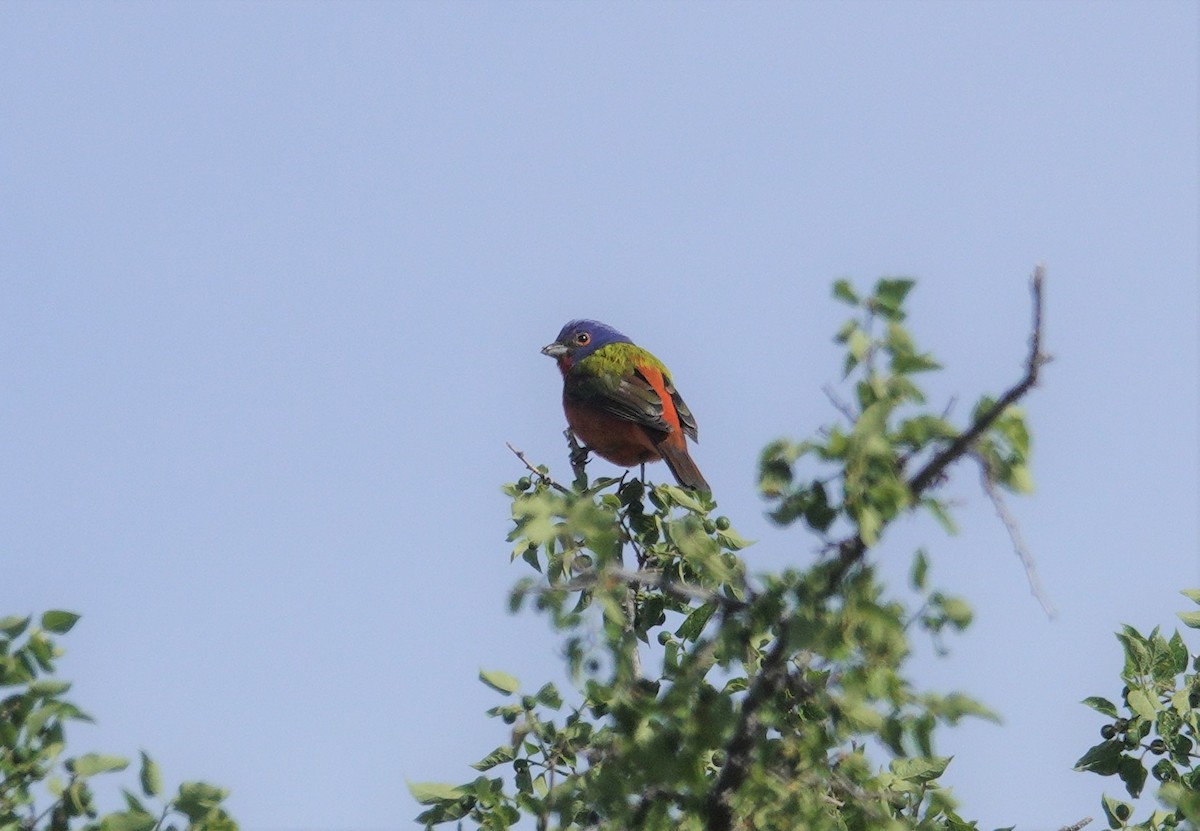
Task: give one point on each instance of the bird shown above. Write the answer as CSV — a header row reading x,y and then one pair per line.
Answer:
x,y
621,402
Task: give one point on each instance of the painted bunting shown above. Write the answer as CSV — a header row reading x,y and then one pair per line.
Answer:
x,y
620,400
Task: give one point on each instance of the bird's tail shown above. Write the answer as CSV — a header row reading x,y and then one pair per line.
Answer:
x,y
681,465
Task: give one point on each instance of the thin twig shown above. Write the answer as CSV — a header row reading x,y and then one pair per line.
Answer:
x,y
1076,826
1014,534
1033,363
841,406
545,477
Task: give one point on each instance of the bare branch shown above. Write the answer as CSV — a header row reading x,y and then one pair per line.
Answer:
x,y
1033,363
1014,534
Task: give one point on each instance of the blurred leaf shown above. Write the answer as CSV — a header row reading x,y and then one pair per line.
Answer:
x,y
919,572
1191,619
90,764
128,821
920,769
149,776
59,622
499,681
428,793
13,625
691,628
842,291
198,800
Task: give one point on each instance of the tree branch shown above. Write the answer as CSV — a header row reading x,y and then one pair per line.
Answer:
x,y
773,674
1033,363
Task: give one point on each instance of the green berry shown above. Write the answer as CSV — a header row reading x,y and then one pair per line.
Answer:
x,y
723,523
524,483
1107,731
665,638
1158,747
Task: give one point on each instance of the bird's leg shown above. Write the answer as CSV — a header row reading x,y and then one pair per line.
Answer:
x,y
643,475
578,458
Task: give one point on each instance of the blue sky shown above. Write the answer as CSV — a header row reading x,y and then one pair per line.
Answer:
x,y
275,276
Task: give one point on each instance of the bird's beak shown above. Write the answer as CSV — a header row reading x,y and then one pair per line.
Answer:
x,y
554,350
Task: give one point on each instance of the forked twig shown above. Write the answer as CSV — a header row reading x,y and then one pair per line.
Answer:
x,y
545,477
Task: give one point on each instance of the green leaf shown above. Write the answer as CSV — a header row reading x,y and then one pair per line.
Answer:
x,y
150,777
499,681
548,696
1191,594
957,611
1101,705
198,800
1117,812
920,570
1191,619
90,764
13,625
858,344
691,628
502,754
1102,758
128,821
920,769
1143,704
49,687
869,525
58,621
889,297
430,793
842,291
1019,479
1133,774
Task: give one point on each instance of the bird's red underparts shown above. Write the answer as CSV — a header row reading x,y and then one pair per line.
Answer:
x,y
619,440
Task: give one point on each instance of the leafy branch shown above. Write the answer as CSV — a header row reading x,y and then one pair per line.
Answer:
x,y
708,700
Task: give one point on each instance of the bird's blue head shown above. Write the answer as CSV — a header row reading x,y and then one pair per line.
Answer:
x,y
580,338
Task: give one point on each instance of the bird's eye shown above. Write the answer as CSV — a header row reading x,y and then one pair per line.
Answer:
x,y
582,338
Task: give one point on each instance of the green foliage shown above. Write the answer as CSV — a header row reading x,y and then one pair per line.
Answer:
x,y
703,699
42,788
1155,729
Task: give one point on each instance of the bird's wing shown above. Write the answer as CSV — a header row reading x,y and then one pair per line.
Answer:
x,y
686,419
638,397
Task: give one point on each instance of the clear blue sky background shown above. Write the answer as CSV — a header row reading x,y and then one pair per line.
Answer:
x,y
275,276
